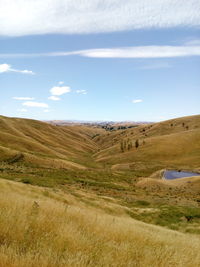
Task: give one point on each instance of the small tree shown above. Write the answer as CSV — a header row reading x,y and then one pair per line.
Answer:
x,y
125,144
137,143
122,146
129,145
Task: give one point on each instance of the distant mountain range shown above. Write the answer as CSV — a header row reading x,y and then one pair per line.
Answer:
x,y
100,123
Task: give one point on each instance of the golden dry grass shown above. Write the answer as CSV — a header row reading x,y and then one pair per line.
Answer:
x,y
181,182
174,143
41,143
43,227
52,227
162,145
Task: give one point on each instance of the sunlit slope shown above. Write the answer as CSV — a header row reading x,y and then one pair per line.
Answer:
x,y
173,143
41,227
189,185
39,143
169,144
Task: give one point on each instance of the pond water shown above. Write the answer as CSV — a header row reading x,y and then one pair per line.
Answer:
x,y
172,174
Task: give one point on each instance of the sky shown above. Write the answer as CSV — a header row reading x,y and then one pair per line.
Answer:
x,y
107,60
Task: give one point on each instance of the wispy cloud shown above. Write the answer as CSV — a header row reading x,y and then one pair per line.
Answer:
x,y
193,42
23,98
123,52
35,104
143,52
24,17
7,68
137,101
22,110
60,90
54,98
82,92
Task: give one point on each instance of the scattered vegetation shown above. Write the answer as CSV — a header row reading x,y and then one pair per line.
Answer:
x,y
137,143
55,229
93,187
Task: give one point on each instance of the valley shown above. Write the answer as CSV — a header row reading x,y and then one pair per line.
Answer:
x,y
99,133
90,159
94,172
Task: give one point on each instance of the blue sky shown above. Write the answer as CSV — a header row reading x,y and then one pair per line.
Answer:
x,y
94,60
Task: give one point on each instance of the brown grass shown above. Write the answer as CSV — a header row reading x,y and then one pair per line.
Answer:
x,y
41,227
174,143
73,225
41,143
190,184
166,144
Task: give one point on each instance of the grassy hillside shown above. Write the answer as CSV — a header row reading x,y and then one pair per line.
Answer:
x,y
41,144
89,197
48,227
90,159
170,144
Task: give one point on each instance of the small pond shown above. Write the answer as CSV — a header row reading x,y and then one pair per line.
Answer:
x,y
172,174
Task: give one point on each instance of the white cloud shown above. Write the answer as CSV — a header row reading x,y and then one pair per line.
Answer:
x,y
123,52
35,104
23,98
7,68
137,101
22,110
61,83
60,90
143,52
25,71
4,68
24,17
46,110
83,92
54,98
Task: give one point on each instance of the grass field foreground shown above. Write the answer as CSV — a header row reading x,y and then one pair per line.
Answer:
x,y
45,227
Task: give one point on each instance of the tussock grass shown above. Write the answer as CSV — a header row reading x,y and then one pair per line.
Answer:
x,y
39,229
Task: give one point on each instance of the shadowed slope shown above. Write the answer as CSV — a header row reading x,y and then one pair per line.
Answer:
x,y
40,142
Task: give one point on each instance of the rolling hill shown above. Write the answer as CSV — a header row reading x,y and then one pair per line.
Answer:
x,y
173,143
85,193
169,144
56,229
35,150
42,144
